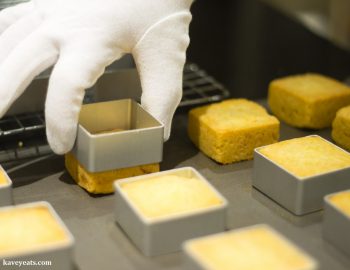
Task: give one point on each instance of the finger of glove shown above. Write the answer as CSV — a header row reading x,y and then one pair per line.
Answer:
x,y
32,56
10,15
17,32
160,58
76,70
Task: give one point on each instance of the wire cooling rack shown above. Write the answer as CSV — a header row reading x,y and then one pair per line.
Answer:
x,y
199,87
8,3
23,136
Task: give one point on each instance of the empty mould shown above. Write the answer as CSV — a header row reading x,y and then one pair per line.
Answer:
x,y
117,134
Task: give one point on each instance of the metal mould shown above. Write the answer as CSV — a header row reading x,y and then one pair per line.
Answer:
x,y
58,254
155,236
336,224
117,134
195,262
300,196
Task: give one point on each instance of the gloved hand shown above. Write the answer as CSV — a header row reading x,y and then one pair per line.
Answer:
x,y
82,37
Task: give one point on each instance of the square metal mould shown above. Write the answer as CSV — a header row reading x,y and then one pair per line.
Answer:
x,y
138,141
194,262
60,254
298,196
336,224
160,235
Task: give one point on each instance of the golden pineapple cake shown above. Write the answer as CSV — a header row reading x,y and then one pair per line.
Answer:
x,y
307,101
307,156
102,182
341,128
29,228
3,178
253,248
229,131
341,201
169,194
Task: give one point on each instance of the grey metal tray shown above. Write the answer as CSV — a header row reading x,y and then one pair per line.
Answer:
x,y
101,244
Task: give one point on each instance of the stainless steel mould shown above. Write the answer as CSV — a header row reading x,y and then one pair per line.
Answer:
x,y
300,196
336,225
155,236
117,134
59,255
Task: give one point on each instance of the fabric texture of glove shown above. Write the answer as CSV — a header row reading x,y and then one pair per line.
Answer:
x,y
80,38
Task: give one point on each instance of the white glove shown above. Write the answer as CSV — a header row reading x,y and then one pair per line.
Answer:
x,y
83,37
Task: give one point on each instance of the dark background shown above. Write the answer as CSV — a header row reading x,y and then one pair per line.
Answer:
x,y
245,44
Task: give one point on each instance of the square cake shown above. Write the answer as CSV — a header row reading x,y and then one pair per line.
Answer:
x,y
229,131
307,156
168,195
159,211
341,128
252,248
102,182
307,101
33,232
298,173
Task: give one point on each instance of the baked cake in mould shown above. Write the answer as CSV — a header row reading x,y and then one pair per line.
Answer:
x,y
308,100
342,201
24,229
307,156
169,194
229,131
3,178
253,248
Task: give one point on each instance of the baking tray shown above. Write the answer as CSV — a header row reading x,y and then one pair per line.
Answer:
x,y
101,244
